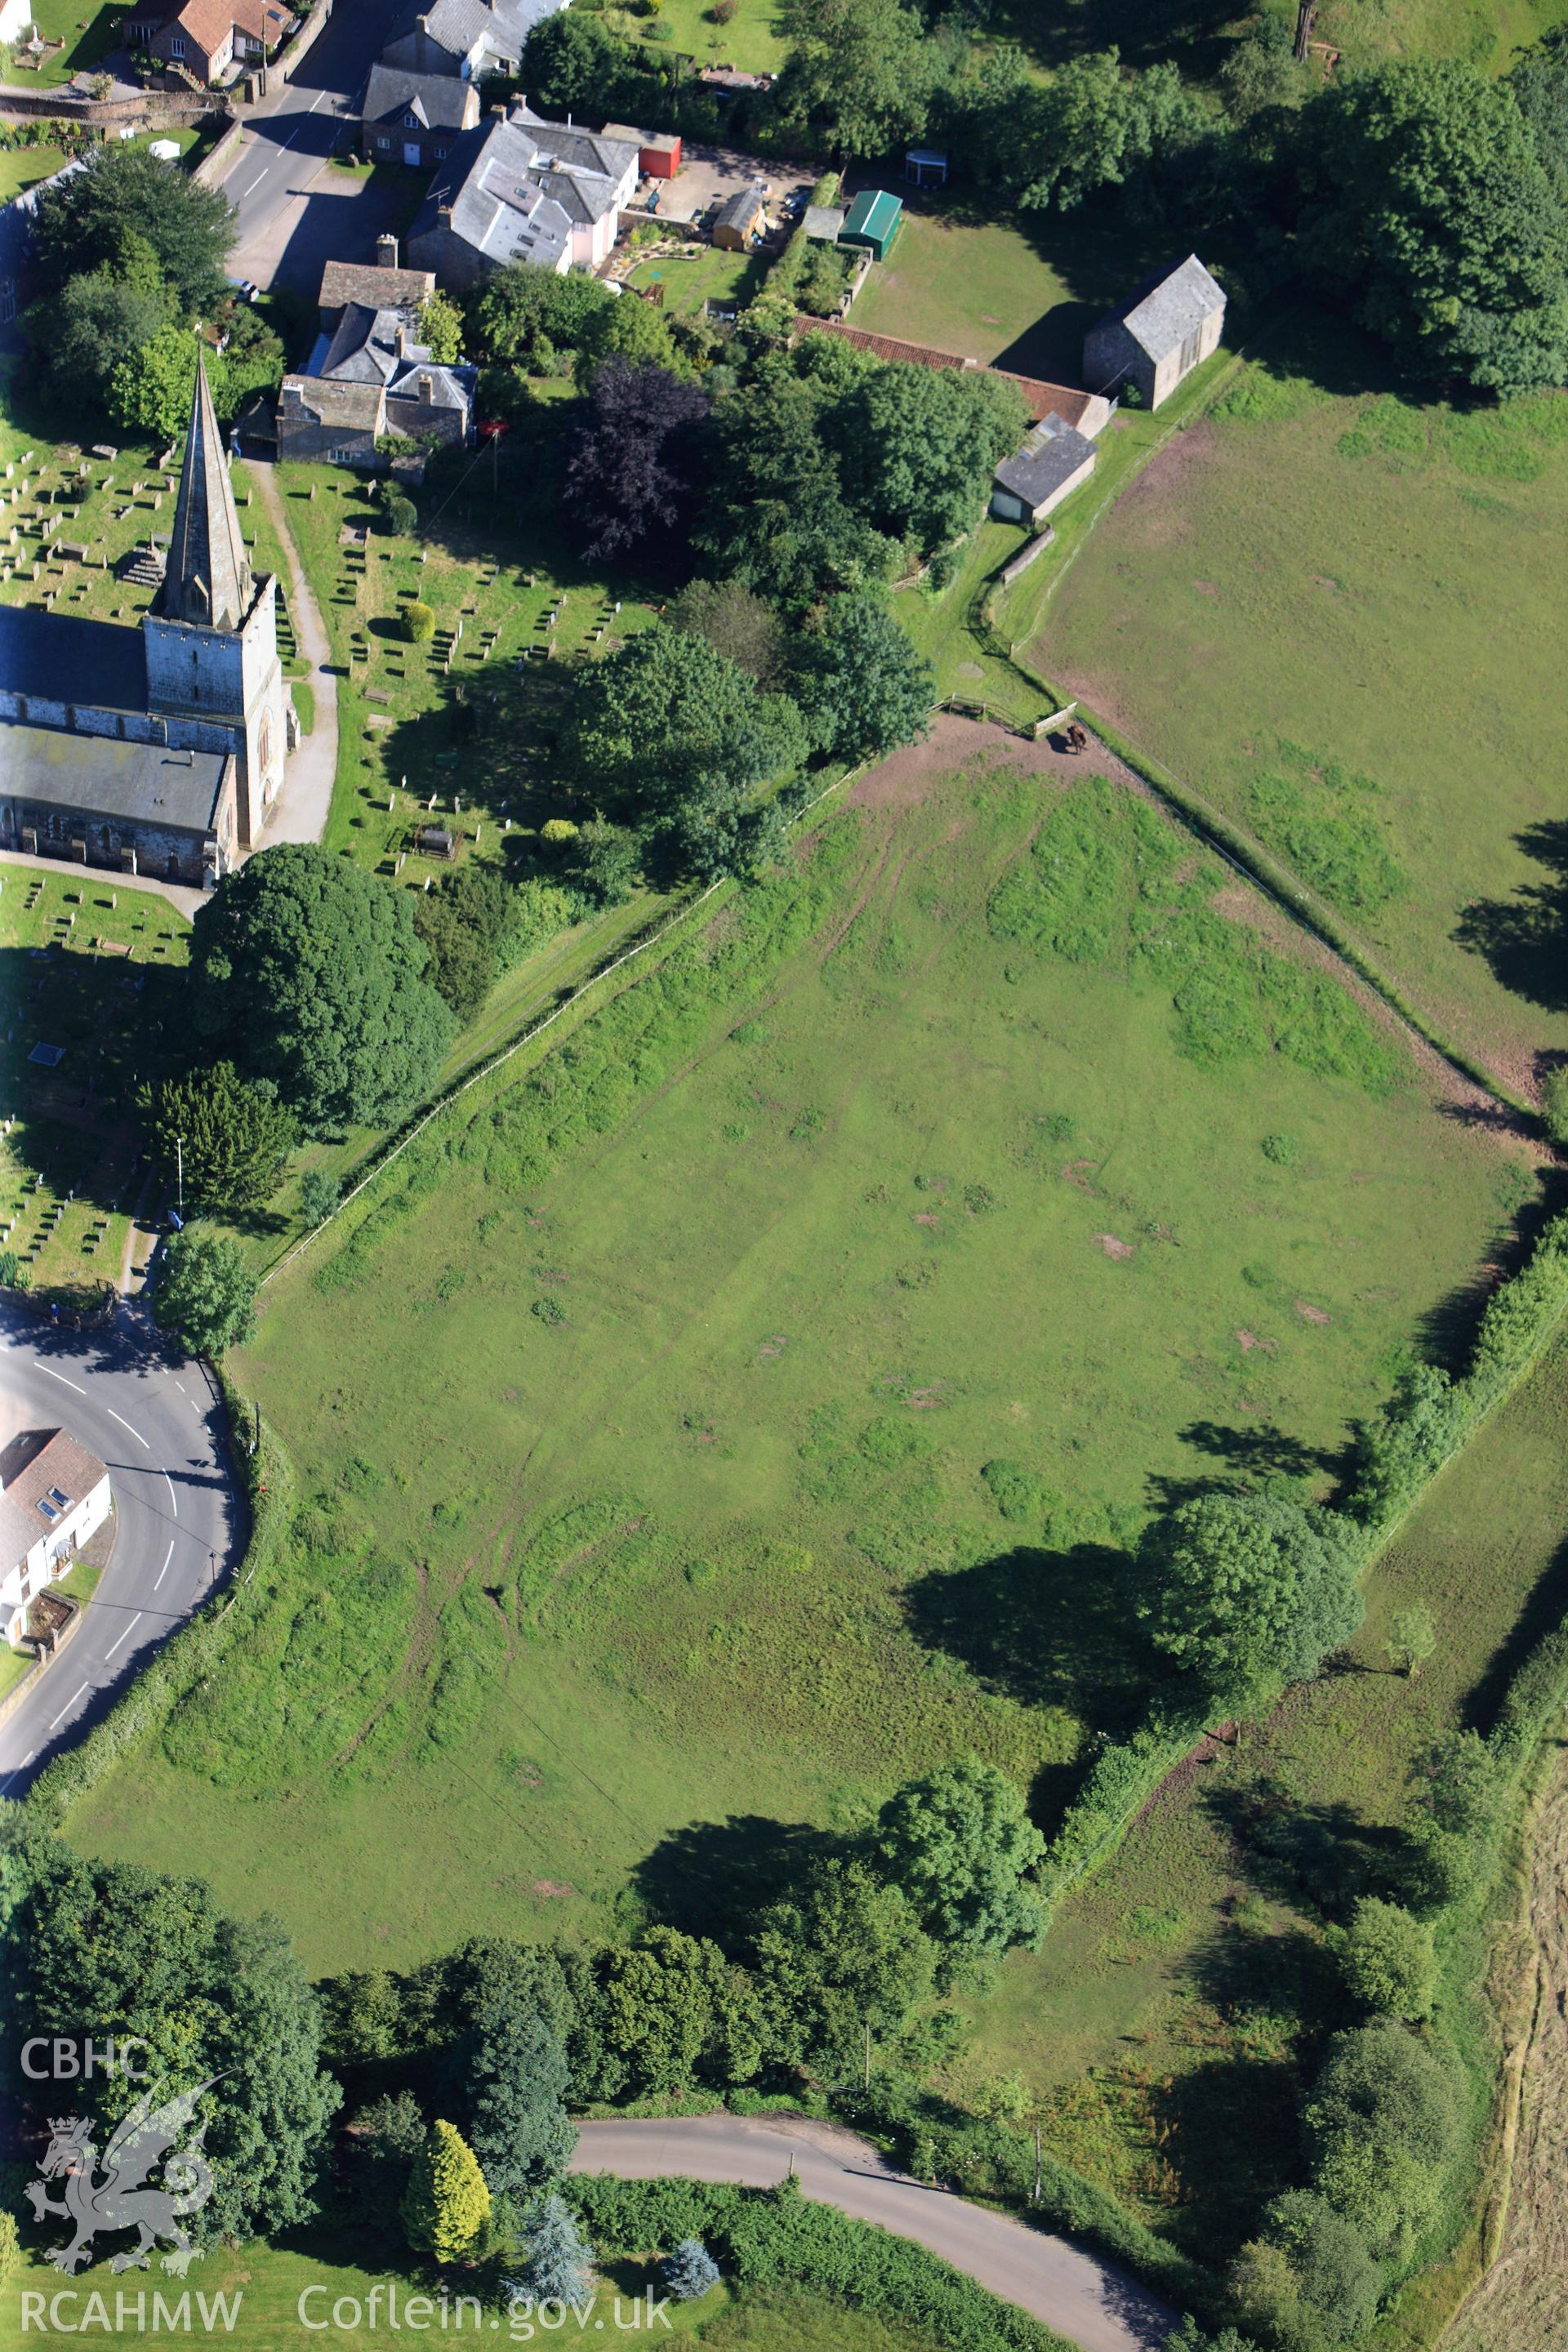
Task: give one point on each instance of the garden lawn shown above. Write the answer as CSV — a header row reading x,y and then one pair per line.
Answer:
x,y
86,965
748,41
24,167
1335,615
694,274
88,31
640,1417
1162,2016
1018,293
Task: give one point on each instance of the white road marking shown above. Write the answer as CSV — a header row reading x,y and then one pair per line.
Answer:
x,y
119,1417
129,1630
315,101
70,1703
254,183
22,1766
181,1386
163,1571
60,1377
174,1498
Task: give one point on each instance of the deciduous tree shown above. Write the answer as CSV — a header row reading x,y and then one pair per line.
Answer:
x,y
961,1845
634,460
1433,207
862,686
1248,1592
308,971
206,1292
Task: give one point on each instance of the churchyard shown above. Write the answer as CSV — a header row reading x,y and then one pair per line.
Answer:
x,y
89,972
511,607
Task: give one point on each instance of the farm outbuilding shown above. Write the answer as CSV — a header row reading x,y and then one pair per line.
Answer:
x,y
823,224
1164,328
874,221
745,218
1049,466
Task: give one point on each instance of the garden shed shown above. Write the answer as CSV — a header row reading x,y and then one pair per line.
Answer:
x,y
742,218
874,221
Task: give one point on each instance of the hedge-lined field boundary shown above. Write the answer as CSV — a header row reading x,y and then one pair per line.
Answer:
x,y
778,2237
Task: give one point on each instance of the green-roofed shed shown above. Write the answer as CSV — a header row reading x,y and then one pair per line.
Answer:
x,y
874,219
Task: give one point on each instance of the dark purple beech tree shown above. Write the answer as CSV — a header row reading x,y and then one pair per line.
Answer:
x,y
632,470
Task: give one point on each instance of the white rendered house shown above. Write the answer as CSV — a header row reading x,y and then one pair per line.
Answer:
x,y
51,1505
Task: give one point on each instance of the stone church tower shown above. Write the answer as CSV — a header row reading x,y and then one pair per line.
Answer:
x,y
211,637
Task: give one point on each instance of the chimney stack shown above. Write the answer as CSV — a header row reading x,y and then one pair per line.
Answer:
x,y
427,389
385,251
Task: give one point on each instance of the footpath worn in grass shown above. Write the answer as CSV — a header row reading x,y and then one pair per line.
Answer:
x,y
651,1396
1168,2015
1334,615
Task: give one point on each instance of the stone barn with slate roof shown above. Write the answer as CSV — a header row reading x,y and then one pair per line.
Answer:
x,y
1164,328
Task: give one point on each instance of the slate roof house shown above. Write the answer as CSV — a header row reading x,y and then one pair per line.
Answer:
x,y
1164,328
53,1499
158,748
1049,466
466,37
413,118
372,376
517,188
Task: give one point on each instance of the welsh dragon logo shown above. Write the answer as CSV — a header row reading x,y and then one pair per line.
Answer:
x,y
117,2197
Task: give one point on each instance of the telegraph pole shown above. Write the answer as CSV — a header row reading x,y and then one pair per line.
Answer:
x,y
179,1173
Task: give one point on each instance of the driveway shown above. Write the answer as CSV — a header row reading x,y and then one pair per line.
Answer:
x,y
711,175
295,212
152,1419
1077,2294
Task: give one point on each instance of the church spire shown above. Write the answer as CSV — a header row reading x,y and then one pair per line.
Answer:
x,y
207,579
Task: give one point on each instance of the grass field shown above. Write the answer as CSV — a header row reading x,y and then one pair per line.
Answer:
x,y
656,1473
1331,612
263,2286
1164,2014
86,967
1486,32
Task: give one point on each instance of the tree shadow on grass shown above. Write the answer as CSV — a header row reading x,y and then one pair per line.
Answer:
x,y
1045,1628
1524,939
116,1024
1252,1458
711,1878
1324,1855
1229,2131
